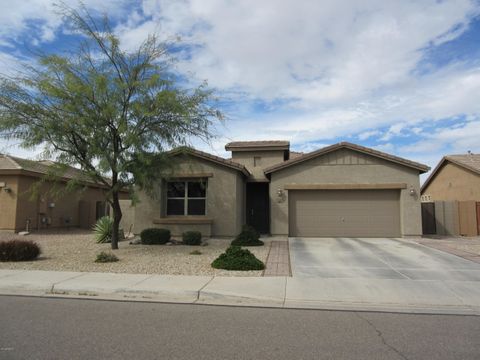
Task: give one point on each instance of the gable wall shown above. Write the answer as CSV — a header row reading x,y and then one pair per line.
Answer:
x,y
346,166
225,198
453,182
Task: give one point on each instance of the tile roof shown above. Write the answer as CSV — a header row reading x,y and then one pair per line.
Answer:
x,y
470,161
295,154
258,144
423,168
42,167
467,161
211,157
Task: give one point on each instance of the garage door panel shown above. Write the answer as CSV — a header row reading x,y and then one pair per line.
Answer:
x,y
349,213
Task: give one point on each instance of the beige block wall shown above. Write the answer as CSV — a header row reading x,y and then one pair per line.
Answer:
x,y
8,202
225,198
268,158
347,167
454,183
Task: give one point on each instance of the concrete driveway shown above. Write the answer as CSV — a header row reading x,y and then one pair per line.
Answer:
x,y
363,258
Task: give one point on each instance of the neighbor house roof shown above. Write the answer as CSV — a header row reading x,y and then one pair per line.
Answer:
x,y
209,157
15,165
379,154
258,145
469,162
295,154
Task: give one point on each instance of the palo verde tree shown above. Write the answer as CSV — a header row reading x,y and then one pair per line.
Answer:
x,y
110,111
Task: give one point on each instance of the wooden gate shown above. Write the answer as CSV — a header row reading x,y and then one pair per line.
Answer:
x,y
478,218
429,226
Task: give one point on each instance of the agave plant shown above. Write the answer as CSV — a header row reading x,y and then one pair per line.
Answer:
x,y
103,229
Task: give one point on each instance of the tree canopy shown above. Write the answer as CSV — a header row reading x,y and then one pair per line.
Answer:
x,y
110,111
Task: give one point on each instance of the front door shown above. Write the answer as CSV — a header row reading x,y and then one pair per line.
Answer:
x,y
258,209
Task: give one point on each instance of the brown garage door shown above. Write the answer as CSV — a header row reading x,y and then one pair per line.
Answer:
x,y
344,213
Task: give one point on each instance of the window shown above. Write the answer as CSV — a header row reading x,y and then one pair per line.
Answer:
x,y
186,197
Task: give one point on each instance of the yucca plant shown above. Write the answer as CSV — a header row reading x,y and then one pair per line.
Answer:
x,y
103,229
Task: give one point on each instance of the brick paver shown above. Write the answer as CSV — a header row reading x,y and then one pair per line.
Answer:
x,y
454,246
278,260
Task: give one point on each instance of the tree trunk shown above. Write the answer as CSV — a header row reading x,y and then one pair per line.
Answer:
x,y
117,216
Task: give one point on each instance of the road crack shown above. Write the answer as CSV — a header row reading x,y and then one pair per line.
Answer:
x,y
380,335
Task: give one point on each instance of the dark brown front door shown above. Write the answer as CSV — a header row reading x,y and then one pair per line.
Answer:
x,y
258,208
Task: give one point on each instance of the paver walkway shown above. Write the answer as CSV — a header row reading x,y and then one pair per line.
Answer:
x,y
278,260
467,248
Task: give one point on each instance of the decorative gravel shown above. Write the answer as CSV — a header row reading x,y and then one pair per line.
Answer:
x,y
75,250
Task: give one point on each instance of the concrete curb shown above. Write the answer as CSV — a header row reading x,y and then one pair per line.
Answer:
x,y
459,298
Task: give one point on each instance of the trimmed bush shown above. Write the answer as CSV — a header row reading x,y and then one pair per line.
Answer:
x,y
18,250
154,236
248,237
103,230
236,258
192,237
104,257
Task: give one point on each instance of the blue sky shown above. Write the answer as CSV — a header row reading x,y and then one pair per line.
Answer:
x,y
400,76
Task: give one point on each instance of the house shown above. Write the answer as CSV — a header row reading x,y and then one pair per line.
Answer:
x,y
18,206
455,184
340,190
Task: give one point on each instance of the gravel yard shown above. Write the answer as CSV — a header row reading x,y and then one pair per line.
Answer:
x,y
75,250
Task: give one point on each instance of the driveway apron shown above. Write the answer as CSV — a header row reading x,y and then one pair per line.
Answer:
x,y
376,258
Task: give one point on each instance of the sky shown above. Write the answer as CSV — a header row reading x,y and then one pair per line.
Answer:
x,y
399,76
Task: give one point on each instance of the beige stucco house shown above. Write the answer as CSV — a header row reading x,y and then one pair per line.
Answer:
x,y
340,190
456,177
45,210
455,182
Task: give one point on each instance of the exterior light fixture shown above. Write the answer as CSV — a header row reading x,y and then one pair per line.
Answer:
x,y
412,191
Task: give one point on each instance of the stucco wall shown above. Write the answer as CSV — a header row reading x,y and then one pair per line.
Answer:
x,y
267,159
453,182
8,202
345,167
67,206
225,194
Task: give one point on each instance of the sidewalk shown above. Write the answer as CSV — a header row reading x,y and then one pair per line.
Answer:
x,y
438,297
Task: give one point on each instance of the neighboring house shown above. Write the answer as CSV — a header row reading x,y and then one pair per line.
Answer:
x,y
340,190
456,178
18,206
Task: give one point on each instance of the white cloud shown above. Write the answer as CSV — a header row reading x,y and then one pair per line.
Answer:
x,y
327,70
37,21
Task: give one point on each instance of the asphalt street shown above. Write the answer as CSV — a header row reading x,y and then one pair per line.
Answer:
x,y
55,328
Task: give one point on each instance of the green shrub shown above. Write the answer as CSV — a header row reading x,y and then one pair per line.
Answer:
x,y
236,258
154,236
248,237
103,230
196,252
192,237
18,250
104,257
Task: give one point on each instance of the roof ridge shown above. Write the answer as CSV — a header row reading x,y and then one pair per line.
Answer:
x,y
352,146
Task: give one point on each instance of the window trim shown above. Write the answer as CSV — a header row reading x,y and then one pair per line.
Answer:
x,y
186,198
